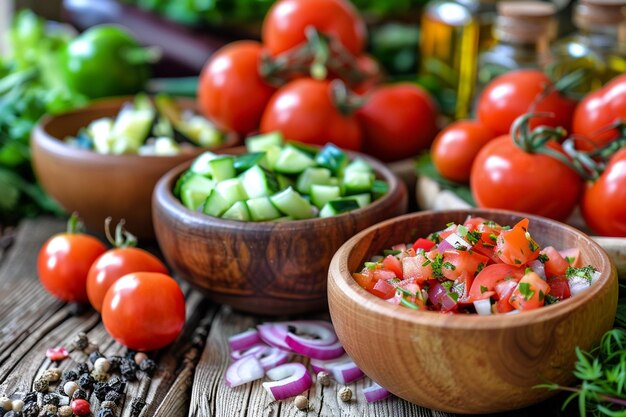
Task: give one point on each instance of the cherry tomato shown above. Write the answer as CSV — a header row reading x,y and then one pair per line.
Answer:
x,y
603,203
504,176
144,310
518,92
456,147
230,91
371,71
398,121
530,292
284,25
64,261
599,110
303,111
114,264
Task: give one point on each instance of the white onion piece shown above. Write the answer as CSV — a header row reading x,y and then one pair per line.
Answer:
x,y
274,334
244,340
513,312
577,285
244,370
272,357
291,379
255,350
455,241
595,276
375,393
322,330
538,268
314,351
483,307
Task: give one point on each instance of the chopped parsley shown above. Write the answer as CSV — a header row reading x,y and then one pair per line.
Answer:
x,y
517,261
447,285
570,259
449,266
474,237
391,252
434,237
541,296
490,223
450,224
527,270
483,289
524,289
506,227
480,267
533,245
585,272
462,231
543,258
437,264
550,299
426,262
493,237
454,296
371,265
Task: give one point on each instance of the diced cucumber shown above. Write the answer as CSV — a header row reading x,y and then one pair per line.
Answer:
x,y
180,181
130,129
284,219
200,131
272,154
262,209
359,165
200,165
292,161
222,168
357,182
248,160
333,158
194,191
292,204
284,181
362,199
335,207
100,131
215,205
261,143
303,147
379,188
322,194
238,211
312,176
232,190
259,182
160,146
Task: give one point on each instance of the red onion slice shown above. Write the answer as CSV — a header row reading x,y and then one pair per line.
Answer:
x,y
319,365
375,393
255,350
274,334
314,351
244,340
322,330
272,357
244,370
290,379
347,372
538,268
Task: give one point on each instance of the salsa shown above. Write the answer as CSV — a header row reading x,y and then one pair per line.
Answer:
x,y
476,267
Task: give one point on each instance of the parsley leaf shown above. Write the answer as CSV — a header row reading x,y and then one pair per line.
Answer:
x,y
524,289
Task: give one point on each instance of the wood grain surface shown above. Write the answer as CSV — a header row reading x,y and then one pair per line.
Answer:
x,y
189,380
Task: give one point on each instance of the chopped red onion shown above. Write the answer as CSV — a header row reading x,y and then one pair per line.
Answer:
x,y
244,370
538,268
443,246
323,331
578,284
375,393
255,350
274,334
302,347
244,340
346,373
272,357
290,379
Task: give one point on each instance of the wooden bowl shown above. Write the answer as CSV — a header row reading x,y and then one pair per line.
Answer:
x,y
272,268
95,185
467,363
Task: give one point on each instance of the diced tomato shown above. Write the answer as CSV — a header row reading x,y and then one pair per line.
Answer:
x,y
366,281
383,274
448,231
530,292
457,262
572,257
504,289
418,267
555,265
462,287
393,264
422,243
516,246
487,279
383,289
559,287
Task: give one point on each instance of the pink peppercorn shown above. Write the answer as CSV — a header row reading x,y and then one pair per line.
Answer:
x,y
80,407
57,354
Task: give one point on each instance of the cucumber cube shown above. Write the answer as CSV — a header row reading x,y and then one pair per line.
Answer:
x,y
261,143
357,182
232,190
361,199
292,161
312,176
259,182
262,209
292,204
360,165
215,205
379,188
333,158
333,208
222,168
200,165
322,194
238,211
247,161
194,191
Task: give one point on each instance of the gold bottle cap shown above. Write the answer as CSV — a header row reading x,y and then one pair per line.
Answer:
x,y
590,13
525,21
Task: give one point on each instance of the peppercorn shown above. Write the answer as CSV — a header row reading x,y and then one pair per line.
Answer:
x,y
18,405
108,404
136,406
105,412
70,375
31,409
51,399
79,394
301,402
345,394
81,341
41,385
94,356
85,381
102,365
30,397
116,384
115,362
82,368
140,357
6,404
11,414
50,408
323,378
65,411
128,370
80,407
70,388
48,414
100,390
113,396
148,366
99,376
91,347
52,375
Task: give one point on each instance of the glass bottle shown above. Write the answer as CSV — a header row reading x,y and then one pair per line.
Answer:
x,y
453,31
523,31
598,46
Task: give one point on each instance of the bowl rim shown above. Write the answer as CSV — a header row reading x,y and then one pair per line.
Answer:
x,y
58,146
163,193
348,287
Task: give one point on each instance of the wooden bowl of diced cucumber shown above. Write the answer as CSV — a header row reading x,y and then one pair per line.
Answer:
x,y
95,160
255,227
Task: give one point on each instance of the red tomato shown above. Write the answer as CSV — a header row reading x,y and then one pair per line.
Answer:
x,y
599,110
231,92
572,256
364,280
383,289
604,202
486,280
144,310
516,246
63,264
303,111
556,264
285,23
418,267
114,264
393,264
462,287
515,93
456,147
457,263
370,69
506,177
398,121
559,287
422,243
530,292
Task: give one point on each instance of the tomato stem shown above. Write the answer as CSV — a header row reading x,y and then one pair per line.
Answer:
x,y
74,225
123,238
345,101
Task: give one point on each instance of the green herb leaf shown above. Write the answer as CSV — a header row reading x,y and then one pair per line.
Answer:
x,y
524,289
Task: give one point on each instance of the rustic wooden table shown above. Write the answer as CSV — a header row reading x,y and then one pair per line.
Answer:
x,y
189,379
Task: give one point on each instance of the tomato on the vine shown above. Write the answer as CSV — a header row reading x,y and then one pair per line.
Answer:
x,y
398,121
64,261
284,25
456,147
604,202
303,110
505,176
144,310
231,93
518,92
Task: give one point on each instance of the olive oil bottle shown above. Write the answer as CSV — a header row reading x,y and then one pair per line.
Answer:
x,y
598,47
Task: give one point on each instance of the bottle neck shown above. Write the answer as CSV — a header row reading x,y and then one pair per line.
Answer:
x,y
604,33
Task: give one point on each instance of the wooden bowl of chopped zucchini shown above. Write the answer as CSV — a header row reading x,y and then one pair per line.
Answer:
x,y
469,314
104,160
256,229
